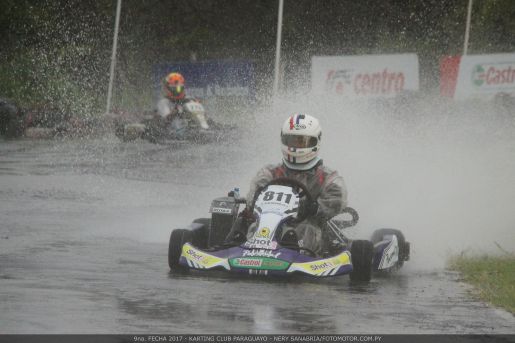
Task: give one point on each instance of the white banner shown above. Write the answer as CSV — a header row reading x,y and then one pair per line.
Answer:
x,y
366,76
485,75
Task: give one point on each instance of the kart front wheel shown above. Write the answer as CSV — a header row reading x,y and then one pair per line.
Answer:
x,y
177,239
362,253
119,131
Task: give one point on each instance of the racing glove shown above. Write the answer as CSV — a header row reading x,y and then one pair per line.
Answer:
x,y
311,208
247,215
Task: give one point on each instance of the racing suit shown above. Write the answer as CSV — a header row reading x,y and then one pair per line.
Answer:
x,y
171,112
325,185
174,113
167,107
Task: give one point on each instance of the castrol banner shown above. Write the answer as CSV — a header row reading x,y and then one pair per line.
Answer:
x,y
366,76
477,76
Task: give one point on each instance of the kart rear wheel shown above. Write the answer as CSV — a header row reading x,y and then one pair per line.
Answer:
x,y
119,131
362,253
178,238
404,247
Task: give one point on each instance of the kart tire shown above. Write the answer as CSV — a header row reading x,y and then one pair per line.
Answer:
x,y
362,253
178,238
404,247
200,235
119,131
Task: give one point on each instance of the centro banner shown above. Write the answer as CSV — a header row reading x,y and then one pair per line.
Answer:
x,y
211,78
366,76
477,76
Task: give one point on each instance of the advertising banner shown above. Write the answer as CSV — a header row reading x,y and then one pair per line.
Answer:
x,y
483,76
449,68
218,78
366,76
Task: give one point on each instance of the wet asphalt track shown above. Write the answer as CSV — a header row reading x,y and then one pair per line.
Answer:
x,y
83,249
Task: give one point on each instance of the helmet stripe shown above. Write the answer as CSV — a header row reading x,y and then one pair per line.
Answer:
x,y
291,122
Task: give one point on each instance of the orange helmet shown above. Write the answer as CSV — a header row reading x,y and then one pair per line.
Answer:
x,y
174,86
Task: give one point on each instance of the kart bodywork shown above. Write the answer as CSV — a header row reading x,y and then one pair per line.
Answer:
x,y
188,124
205,245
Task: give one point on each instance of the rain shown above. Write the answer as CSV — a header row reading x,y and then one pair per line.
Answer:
x,y
86,213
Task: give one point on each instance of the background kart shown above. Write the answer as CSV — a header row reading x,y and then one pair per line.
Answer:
x,y
206,244
190,125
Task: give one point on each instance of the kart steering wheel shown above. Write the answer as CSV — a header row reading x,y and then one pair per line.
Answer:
x,y
299,187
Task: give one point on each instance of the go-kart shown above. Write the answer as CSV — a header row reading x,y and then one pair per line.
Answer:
x,y
190,124
210,243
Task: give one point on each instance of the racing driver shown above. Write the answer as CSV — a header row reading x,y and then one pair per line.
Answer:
x,y
300,138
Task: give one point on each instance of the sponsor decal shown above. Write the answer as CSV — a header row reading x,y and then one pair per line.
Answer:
x,y
493,74
263,233
220,78
260,243
221,210
217,90
364,76
259,263
383,82
322,265
273,264
246,262
326,267
339,80
199,257
390,254
261,253
221,207
194,255
478,75
295,122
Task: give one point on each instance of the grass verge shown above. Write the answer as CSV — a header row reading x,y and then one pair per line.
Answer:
x,y
493,277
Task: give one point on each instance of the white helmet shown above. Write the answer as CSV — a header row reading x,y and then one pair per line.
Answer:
x,y
300,138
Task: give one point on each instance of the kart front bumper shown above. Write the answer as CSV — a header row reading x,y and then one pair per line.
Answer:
x,y
270,262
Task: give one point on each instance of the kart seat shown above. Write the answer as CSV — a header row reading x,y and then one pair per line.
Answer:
x,y
290,240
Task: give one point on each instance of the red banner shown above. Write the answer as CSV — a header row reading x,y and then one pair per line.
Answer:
x,y
449,67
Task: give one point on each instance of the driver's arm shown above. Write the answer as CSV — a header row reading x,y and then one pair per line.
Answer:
x,y
263,177
333,198
163,108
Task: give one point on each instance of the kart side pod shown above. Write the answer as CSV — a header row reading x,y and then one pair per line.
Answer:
x,y
224,211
